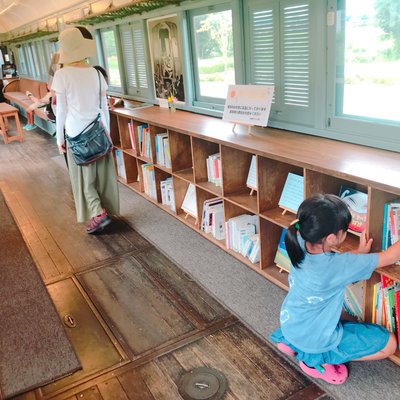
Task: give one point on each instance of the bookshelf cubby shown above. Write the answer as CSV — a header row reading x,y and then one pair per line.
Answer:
x,y
325,164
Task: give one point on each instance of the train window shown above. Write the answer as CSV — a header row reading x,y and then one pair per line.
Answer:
x,y
110,55
364,76
213,52
368,59
23,69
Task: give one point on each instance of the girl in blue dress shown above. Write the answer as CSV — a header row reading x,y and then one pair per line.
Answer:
x,y
311,328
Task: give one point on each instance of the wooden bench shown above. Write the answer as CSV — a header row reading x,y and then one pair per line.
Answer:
x,y
15,93
7,111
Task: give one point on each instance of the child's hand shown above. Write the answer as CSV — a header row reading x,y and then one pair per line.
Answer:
x,y
365,243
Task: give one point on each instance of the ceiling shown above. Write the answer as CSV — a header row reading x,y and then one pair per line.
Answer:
x,y
31,15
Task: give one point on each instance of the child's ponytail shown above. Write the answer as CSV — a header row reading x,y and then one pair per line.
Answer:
x,y
296,253
318,216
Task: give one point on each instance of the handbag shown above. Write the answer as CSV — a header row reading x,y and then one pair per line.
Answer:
x,y
92,143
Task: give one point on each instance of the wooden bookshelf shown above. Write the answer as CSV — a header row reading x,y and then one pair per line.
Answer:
x,y
325,164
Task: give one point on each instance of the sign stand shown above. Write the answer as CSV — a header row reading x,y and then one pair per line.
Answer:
x,y
248,128
252,190
281,269
193,216
285,210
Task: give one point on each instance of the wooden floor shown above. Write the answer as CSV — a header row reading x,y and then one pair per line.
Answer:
x,y
137,322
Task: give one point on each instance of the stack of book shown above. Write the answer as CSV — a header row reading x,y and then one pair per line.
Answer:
x,y
386,305
251,248
353,299
391,224
239,230
167,193
214,172
119,158
213,218
163,156
149,181
144,140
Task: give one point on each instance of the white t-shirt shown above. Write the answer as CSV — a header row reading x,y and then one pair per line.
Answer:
x,y
77,96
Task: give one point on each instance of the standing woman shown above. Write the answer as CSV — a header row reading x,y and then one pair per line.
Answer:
x,y
76,85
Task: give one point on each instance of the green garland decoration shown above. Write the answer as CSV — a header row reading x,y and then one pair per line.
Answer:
x,y
29,36
136,8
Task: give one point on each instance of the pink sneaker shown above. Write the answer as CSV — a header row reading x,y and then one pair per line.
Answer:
x,y
98,223
335,374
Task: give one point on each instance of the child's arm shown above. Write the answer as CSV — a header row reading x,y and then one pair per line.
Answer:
x,y
389,256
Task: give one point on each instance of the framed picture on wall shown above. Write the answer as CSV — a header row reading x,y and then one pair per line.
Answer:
x,y
166,57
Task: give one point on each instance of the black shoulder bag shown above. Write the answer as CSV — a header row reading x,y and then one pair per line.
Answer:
x,y
92,143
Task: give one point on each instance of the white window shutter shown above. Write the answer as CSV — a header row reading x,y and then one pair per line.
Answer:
x,y
129,58
134,54
262,45
296,54
138,42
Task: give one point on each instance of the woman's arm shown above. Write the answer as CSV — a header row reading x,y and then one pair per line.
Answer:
x,y
61,115
105,111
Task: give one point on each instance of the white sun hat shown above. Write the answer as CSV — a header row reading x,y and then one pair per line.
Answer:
x,y
76,44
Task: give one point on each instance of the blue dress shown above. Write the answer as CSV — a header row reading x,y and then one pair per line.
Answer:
x,y
310,313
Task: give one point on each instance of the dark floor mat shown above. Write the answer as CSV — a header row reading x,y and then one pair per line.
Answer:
x,y
34,347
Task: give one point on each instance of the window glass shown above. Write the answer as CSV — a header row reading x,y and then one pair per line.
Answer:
x,y
368,59
31,61
214,53
111,58
22,61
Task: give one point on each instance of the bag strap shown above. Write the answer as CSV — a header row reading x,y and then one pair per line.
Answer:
x,y
98,75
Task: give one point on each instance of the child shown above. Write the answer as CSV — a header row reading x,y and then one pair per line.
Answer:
x,y
311,327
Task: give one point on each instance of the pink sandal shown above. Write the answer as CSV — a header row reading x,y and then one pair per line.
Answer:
x,y
335,374
284,348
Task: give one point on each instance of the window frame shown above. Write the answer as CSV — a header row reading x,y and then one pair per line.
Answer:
x,y
138,91
349,128
103,58
214,102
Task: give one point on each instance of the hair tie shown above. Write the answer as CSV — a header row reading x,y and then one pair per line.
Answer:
x,y
296,224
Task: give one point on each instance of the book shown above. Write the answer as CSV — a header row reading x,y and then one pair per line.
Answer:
x,y
206,222
282,259
254,255
358,205
353,299
189,204
132,135
252,175
293,193
397,315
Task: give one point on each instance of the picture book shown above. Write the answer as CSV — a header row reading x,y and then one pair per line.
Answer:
x,y
358,205
189,204
252,176
293,193
282,259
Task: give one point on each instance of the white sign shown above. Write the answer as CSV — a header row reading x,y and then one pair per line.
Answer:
x,y
248,104
163,103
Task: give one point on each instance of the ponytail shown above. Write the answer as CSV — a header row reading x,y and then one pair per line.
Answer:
x,y
296,253
318,216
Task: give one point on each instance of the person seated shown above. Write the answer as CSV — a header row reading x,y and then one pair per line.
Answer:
x,y
36,103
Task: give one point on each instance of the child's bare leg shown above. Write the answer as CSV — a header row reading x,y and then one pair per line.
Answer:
x,y
387,351
30,117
